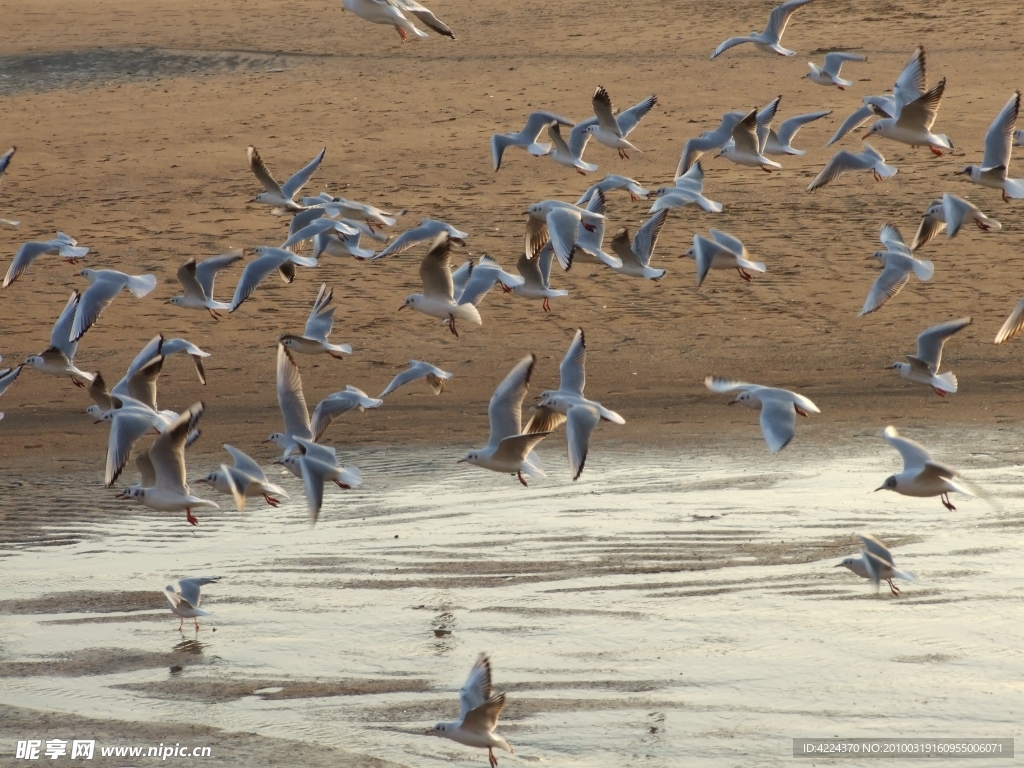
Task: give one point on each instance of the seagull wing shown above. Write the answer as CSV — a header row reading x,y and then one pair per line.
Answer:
x,y
425,15
257,166
605,114
888,284
96,298
290,397
572,371
190,588
722,385
788,129
506,406
26,254
647,236
580,422
413,372
579,136
779,18
544,420
321,318
206,271
253,275
834,61
245,463
60,336
929,227
126,428
765,115
852,123
408,239
931,341
562,225
1013,325
922,111
142,382
911,83
745,134
435,269
629,119
999,139
484,719
778,421
914,454
477,688
299,179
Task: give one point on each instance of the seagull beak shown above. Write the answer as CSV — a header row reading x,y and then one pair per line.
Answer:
x,y
268,440
402,307
879,488
428,732
733,402
838,565
277,461
460,461
890,367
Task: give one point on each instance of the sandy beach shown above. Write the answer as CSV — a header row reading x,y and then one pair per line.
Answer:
x,y
132,121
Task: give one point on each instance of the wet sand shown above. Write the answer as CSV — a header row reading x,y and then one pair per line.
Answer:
x,y
132,133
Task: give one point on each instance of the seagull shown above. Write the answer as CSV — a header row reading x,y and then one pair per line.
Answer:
x,y
313,340
913,123
1009,330
536,273
614,181
267,260
281,196
745,148
425,232
779,408
763,126
438,297
245,478
352,210
767,41
292,403
59,358
62,245
169,492
104,286
8,376
708,141
688,188
924,366
589,248
559,221
166,347
636,255
910,85
898,262
875,562
526,138
473,281
391,12
829,73
197,283
337,244
320,224
611,129
315,464
5,160
562,154
185,602
417,369
950,212
922,476
478,714
332,406
508,448
844,160
722,252
568,405
998,146
780,142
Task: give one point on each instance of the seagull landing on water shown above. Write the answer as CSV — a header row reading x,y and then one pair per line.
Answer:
x,y
767,41
998,145
509,449
478,714
875,562
924,366
922,476
185,602
779,408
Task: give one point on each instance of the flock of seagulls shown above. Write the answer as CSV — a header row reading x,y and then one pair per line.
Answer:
x,y
554,231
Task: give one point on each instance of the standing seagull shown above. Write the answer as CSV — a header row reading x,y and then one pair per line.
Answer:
x,y
526,138
478,714
875,562
170,492
922,476
313,340
390,12
898,262
185,602
611,129
767,41
567,404
438,297
829,73
509,449
924,366
59,358
998,146
197,284
779,408
281,196
5,160
63,245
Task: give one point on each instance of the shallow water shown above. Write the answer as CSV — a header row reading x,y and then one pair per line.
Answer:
x,y
669,607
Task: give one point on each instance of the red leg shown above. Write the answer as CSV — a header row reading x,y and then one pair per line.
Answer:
x,y
77,383
766,169
946,502
744,274
342,485
1006,197
181,623
939,392
982,226
877,176
623,154
588,227
580,171
491,758
190,517
401,33
520,476
936,151
271,500
197,623
505,288
213,314
799,410
451,326
546,305
894,588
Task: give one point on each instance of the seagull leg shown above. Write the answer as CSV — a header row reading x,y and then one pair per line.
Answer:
x,y
190,517
271,500
894,588
875,173
580,171
342,485
336,355
181,623
622,154
520,476
939,392
766,169
213,314
196,618
547,304
946,502
1006,198
451,326
77,383
401,32
633,198
935,151
491,758
744,274
588,227
982,226
504,288
799,410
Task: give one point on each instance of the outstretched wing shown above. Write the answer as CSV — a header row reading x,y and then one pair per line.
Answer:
x,y
477,688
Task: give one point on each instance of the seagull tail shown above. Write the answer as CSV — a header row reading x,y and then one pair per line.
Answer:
x,y
924,269
140,285
1014,188
945,381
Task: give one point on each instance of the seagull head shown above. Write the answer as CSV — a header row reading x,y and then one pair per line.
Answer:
x,y
95,411
210,479
291,463
87,273
875,128
441,729
746,398
278,439
175,300
470,458
410,301
34,360
970,170
888,485
897,367
855,564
